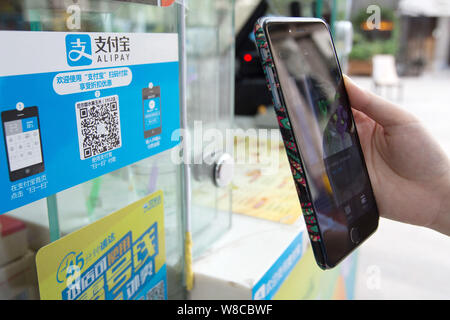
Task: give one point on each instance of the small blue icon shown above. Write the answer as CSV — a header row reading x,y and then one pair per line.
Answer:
x,y
79,50
29,124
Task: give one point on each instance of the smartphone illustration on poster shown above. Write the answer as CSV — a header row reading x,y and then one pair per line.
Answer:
x,y
151,98
23,143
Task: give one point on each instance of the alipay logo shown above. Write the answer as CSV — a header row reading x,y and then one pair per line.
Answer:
x,y
79,50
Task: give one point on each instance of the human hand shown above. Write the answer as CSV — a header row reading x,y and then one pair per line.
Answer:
x,y
410,173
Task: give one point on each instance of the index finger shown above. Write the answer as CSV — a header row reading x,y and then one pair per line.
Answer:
x,y
375,107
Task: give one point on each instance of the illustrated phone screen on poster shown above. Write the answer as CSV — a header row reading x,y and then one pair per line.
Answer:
x,y
23,142
151,98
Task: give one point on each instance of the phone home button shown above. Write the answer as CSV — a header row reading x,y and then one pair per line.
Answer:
x,y
355,236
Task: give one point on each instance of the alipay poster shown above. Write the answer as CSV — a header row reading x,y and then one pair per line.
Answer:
x,y
120,257
75,106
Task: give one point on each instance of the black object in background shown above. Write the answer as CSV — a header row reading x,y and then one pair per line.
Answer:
x,y
296,9
251,90
250,86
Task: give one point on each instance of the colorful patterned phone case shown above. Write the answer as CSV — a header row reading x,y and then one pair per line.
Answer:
x,y
290,145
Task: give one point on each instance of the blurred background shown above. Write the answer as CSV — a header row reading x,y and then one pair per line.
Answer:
x,y
405,57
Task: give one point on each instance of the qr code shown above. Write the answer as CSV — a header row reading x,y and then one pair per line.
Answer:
x,y
157,292
98,123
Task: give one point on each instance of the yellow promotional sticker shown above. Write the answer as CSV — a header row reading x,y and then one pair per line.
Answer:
x,y
121,256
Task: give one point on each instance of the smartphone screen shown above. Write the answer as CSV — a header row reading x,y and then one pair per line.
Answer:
x,y
23,142
152,111
325,132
